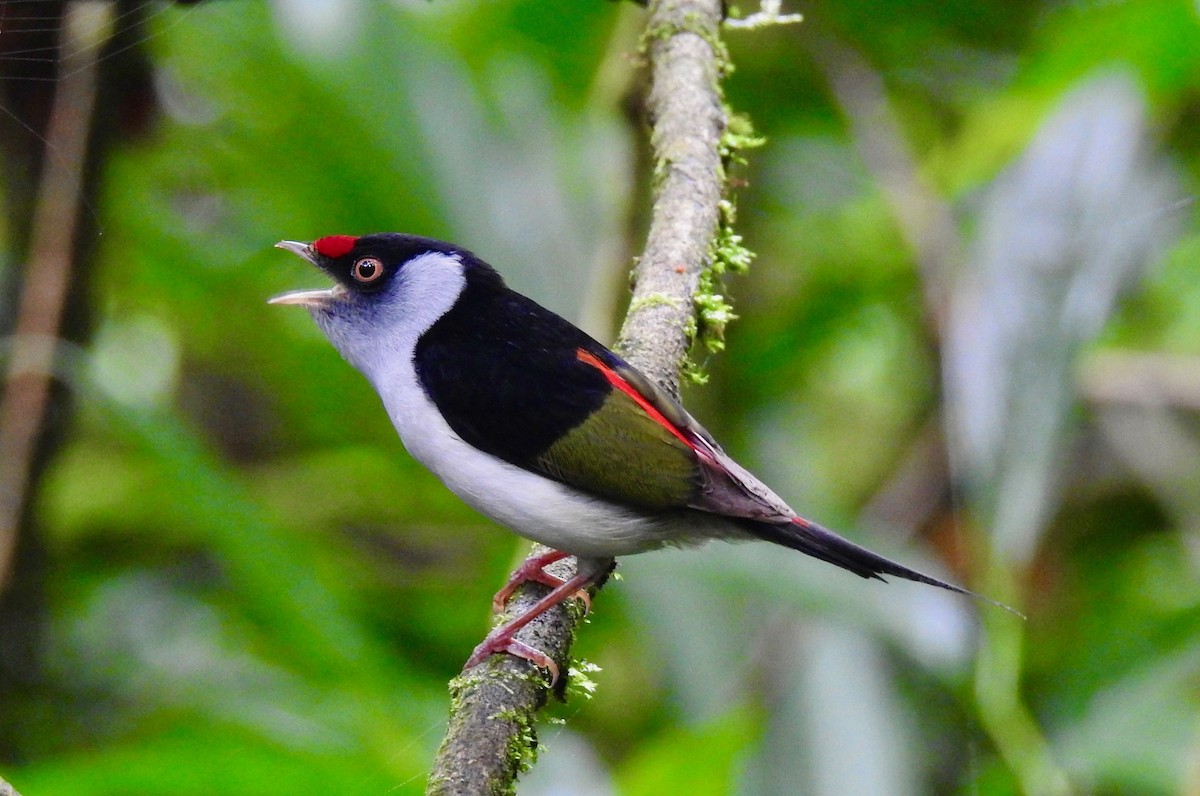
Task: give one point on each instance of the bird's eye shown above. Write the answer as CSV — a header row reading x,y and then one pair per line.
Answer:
x,y
367,270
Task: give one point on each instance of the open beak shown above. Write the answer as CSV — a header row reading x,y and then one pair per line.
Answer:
x,y
308,298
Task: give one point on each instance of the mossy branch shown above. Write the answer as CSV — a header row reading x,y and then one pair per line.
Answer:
x,y
688,119
491,737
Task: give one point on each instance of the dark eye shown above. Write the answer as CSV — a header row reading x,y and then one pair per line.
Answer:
x,y
367,270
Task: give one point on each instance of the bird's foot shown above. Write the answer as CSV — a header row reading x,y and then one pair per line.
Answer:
x,y
503,638
502,641
534,569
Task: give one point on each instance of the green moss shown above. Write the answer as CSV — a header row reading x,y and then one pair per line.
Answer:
x,y
522,744
727,253
460,684
690,329
739,136
714,313
691,23
579,678
652,300
694,373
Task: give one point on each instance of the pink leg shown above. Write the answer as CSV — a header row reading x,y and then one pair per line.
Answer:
x,y
501,639
534,569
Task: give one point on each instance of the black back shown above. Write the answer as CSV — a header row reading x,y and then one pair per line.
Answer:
x,y
503,369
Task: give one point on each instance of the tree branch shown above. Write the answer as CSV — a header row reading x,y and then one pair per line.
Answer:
x,y
48,272
491,735
688,120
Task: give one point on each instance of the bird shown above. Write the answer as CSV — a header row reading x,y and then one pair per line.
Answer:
x,y
538,426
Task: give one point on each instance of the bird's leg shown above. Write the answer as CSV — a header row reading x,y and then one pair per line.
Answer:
x,y
534,569
501,639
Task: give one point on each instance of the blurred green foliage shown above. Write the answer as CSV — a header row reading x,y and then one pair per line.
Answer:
x,y
254,590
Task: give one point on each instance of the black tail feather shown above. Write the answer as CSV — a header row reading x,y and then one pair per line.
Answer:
x,y
819,542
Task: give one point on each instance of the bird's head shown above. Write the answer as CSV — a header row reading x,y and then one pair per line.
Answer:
x,y
389,288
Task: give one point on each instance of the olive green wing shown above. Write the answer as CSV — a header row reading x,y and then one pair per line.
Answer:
x,y
624,453
641,447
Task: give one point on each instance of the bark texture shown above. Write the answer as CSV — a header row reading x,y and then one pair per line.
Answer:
x,y
688,120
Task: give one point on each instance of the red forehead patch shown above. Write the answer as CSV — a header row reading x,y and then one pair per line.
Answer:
x,y
334,246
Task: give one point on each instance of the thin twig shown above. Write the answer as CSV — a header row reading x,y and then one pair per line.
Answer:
x,y
1141,379
491,735
770,14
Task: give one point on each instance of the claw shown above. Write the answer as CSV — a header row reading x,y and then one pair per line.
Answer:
x,y
502,639
534,569
531,569
495,642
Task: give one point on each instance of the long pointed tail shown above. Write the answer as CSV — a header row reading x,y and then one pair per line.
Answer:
x,y
820,542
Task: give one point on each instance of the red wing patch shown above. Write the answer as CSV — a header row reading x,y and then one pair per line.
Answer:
x,y
334,246
615,380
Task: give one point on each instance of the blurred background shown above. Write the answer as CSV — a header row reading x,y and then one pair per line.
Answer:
x,y
971,340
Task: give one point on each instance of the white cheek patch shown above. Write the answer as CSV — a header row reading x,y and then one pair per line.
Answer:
x,y
426,289
378,334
